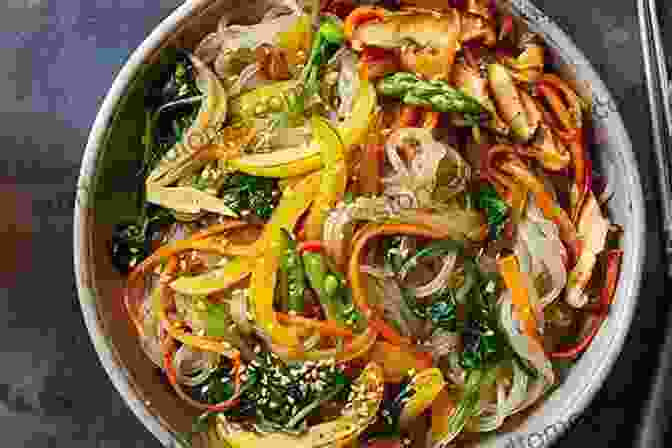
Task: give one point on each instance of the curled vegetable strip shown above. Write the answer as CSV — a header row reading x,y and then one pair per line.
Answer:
x,y
541,252
526,346
547,204
420,178
209,119
507,403
194,366
439,282
593,228
359,294
518,320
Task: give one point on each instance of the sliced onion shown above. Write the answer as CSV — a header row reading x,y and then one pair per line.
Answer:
x,y
348,81
541,251
337,232
376,271
150,340
526,347
247,76
193,366
439,282
238,307
456,374
443,343
534,392
507,403
420,178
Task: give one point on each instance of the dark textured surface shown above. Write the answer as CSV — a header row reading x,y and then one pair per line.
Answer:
x,y
57,60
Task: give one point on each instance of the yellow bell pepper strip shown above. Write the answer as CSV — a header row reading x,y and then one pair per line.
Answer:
x,y
333,178
359,294
283,163
426,386
297,161
293,204
396,361
360,412
216,280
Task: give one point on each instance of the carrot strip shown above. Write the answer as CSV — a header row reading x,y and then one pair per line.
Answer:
x,y
325,327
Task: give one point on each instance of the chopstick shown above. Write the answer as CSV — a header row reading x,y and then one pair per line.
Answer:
x,y
654,424
658,83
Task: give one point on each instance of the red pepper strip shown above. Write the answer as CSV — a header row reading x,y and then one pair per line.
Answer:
x,y
614,258
370,168
340,8
583,173
555,102
325,327
431,119
311,246
168,354
507,26
409,117
548,206
505,187
359,16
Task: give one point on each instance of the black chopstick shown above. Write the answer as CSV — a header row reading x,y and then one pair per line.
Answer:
x,y
657,80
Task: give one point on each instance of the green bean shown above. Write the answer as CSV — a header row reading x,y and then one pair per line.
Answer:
x,y
292,266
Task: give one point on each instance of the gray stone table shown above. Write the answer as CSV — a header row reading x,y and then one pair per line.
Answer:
x,y
57,60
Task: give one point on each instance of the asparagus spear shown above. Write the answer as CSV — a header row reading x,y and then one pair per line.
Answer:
x,y
437,94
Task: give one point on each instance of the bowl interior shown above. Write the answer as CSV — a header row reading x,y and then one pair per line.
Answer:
x,y
107,195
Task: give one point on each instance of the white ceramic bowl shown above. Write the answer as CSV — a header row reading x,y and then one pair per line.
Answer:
x,y
106,186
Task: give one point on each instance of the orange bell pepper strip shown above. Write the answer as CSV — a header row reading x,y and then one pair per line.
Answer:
x,y
513,278
397,361
293,204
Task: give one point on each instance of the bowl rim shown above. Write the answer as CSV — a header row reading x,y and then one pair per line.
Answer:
x,y
571,406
